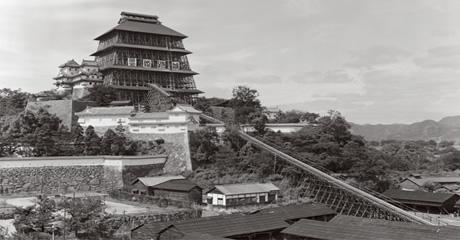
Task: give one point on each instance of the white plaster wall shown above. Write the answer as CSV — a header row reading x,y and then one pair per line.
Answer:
x,y
103,121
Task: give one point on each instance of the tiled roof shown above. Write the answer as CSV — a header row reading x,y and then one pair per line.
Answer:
x,y
339,231
149,231
70,63
188,108
123,110
232,225
88,63
220,226
200,236
144,27
152,115
230,189
153,181
423,180
177,185
159,89
418,196
299,211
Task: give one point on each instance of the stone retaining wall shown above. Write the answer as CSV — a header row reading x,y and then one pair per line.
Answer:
x,y
52,175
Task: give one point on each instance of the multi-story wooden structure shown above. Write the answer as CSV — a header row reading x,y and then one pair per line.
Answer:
x,y
141,51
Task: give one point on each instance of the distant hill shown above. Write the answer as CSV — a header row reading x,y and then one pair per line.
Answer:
x,y
447,128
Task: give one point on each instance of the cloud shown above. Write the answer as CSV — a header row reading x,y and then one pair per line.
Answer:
x,y
376,55
327,77
442,57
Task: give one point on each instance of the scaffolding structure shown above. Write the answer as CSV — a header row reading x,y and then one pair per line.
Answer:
x,y
141,51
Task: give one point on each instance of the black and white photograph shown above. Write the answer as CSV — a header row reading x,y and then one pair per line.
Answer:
x,y
230,119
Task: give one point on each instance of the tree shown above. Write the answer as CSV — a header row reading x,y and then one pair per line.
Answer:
x,y
203,145
37,218
451,160
102,95
259,121
245,103
12,101
87,217
107,140
77,139
91,142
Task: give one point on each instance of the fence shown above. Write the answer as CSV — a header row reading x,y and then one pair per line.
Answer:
x,y
146,199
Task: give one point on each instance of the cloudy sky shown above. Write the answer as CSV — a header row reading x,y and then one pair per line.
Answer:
x,y
375,61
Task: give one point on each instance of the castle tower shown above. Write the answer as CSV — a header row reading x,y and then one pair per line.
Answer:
x,y
141,51
77,78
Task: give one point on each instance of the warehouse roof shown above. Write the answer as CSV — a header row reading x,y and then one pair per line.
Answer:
x,y
420,181
177,185
293,212
153,181
221,226
418,196
340,231
231,189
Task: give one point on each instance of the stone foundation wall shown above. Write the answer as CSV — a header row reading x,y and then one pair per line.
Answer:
x,y
53,175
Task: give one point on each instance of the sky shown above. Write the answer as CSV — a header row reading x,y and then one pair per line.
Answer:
x,y
374,61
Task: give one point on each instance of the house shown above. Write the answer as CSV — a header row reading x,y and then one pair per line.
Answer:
x,y
295,212
352,228
168,187
231,195
418,182
424,201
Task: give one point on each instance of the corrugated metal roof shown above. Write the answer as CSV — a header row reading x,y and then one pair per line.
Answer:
x,y
298,211
231,189
152,181
177,185
121,110
338,231
144,27
418,196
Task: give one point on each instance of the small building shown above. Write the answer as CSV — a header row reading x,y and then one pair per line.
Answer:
x,y
418,182
425,201
232,195
168,187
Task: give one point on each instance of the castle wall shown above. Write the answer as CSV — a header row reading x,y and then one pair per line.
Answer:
x,y
52,175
